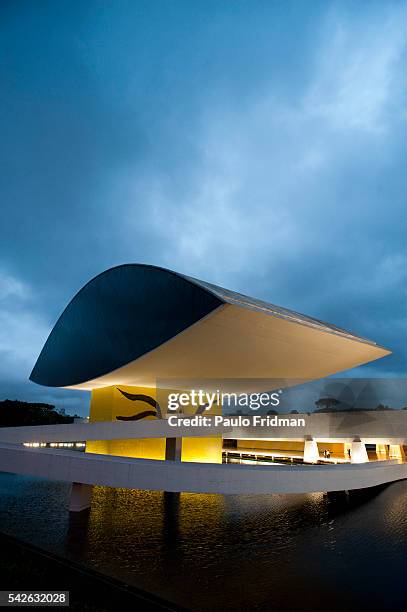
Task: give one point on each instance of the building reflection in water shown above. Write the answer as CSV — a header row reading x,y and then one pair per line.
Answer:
x,y
237,552
170,525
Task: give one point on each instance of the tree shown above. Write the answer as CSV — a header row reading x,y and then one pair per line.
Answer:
x,y
326,404
14,413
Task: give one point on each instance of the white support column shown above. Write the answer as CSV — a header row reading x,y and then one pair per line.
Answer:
x,y
358,452
311,452
80,497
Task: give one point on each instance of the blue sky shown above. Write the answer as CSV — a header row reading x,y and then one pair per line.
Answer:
x,y
258,145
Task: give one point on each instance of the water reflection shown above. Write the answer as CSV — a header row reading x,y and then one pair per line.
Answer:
x,y
214,552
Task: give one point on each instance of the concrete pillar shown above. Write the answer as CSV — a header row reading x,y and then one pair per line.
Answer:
x,y
311,452
80,497
173,449
358,452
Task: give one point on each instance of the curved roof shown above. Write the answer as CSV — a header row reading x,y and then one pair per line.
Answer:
x,y
115,318
135,322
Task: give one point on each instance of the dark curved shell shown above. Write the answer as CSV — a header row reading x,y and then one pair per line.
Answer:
x,y
117,317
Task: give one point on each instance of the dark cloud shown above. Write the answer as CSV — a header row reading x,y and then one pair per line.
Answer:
x,y
258,145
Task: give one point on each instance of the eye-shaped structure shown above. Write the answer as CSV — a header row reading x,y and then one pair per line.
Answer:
x,y
136,323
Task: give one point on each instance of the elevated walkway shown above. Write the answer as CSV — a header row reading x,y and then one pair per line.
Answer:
x,y
87,469
176,476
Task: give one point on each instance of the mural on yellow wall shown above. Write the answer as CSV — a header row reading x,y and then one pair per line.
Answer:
x,y
107,404
134,403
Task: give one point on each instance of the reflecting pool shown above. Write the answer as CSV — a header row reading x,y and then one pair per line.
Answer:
x,y
227,552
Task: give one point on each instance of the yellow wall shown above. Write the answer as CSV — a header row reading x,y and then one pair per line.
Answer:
x,y
335,448
202,450
107,403
396,451
205,450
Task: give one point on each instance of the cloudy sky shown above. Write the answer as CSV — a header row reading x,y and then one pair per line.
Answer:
x,y
258,145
